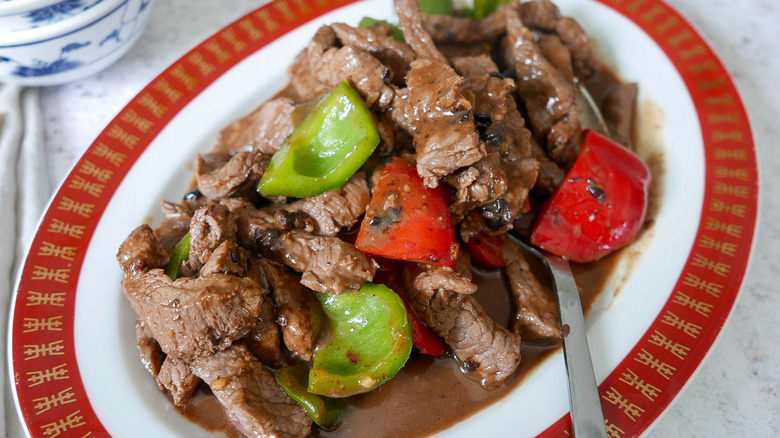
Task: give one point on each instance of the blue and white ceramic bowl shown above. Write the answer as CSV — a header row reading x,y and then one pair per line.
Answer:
x,y
16,15
74,46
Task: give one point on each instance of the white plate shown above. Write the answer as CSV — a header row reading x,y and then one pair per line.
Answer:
x,y
72,346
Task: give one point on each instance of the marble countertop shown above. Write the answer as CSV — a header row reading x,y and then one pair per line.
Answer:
x,y
737,390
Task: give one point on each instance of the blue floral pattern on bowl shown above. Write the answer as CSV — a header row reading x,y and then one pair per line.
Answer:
x,y
43,16
76,53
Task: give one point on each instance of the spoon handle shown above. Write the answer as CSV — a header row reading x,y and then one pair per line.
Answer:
x,y
585,402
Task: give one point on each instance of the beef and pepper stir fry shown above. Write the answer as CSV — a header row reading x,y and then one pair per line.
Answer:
x,y
331,232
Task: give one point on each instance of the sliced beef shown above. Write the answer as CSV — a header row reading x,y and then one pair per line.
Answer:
x,y
194,317
489,353
472,66
210,226
141,252
388,50
175,223
297,311
537,311
338,208
253,226
618,108
477,185
549,98
328,64
229,258
554,51
253,400
544,15
446,29
550,174
221,175
152,356
176,377
327,264
263,130
439,117
264,340
410,20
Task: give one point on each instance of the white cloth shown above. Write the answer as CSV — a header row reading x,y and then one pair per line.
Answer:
x,y
24,190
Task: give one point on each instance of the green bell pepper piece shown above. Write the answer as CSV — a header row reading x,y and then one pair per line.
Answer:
x,y
325,150
369,341
436,7
323,410
180,254
483,8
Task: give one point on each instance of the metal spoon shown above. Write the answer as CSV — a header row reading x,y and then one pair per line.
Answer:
x,y
587,416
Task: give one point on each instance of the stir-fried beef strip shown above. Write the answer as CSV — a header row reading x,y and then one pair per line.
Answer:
x,y
336,209
330,63
252,398
264,340
141,252
297,311
618,109
439,118
222,175
193,317
477,185
152,356
175,223
537,311
488,352
263,130
176,376
545,16
388,50
327,264
445,29
548,97
210,226
410,22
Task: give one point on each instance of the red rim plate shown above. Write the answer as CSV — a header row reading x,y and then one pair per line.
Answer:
x,y
50,393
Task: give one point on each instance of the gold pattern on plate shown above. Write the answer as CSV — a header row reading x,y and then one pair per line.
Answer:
x,y
35,378
35,351
70,205
721,206
633,380
55,299
163,86
671,319
204,67
127,139
701,307
114,157
48,249
91,188
52,324
726,248
58,226
43,404
664,369
89,168
63,425
131,116
614,397
661,340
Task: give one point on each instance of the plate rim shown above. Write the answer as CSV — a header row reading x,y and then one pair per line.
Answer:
x,y
277,18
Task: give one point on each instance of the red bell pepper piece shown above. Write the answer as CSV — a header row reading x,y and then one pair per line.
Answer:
x,y
486,251
406,220
599,207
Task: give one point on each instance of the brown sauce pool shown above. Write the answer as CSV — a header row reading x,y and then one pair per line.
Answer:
x,y
429,394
